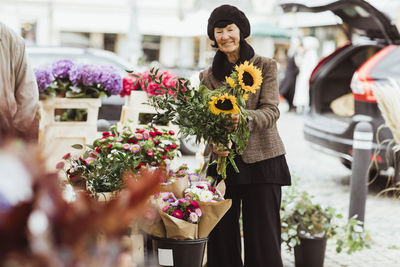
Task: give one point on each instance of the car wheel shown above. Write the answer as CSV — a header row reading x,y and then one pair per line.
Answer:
x,y
188,145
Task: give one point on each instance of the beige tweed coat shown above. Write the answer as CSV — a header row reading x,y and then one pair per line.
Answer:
x,y
264,140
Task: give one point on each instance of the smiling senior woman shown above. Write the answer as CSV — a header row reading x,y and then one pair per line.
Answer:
x,y
263,168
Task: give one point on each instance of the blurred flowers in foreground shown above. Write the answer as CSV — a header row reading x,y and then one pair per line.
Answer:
x,y
38,227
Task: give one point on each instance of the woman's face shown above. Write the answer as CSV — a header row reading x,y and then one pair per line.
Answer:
x,y
228,38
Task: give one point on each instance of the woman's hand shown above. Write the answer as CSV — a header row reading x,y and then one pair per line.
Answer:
x,y
235,121
217,149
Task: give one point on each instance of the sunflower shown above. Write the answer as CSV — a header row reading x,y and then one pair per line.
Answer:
x,y
223,103
230,82
249,77
246,96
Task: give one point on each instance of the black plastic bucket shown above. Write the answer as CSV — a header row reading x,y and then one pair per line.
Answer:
x,y
179,253
310,252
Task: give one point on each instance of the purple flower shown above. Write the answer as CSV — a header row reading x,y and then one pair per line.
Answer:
x,y
110,79
90,74
60,68
43,78
75,74
84,74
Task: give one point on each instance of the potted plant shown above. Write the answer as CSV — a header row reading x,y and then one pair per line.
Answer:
x,y
307,225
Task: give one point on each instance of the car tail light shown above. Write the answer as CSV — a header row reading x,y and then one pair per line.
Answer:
x,y
325,59
362,82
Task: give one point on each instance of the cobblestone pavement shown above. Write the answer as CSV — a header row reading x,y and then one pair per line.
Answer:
x,y
327,179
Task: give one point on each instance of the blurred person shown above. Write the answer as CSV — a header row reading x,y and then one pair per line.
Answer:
x,y
287,86
19,95
307,64
263,167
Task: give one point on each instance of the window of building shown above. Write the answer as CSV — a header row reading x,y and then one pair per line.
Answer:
x,y
151,47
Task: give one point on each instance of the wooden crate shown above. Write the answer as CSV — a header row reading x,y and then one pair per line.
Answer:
x,y
57,137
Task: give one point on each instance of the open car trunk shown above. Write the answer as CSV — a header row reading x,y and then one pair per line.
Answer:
x,y
332,80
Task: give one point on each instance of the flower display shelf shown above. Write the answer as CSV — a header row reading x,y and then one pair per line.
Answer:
x,y
57,137
134,106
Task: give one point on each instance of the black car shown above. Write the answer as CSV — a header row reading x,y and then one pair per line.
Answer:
x,y
350,70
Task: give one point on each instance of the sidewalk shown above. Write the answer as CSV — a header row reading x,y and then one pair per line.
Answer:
x,y
323,176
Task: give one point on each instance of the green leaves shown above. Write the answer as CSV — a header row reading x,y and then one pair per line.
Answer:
x,y
302,217
77,146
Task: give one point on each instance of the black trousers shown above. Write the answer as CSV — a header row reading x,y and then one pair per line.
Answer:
x,y
261,228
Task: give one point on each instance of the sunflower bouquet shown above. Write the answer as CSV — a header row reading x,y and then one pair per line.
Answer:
x,y
206,113
245,80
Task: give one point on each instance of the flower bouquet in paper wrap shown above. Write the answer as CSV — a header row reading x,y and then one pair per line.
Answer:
x,y
206,113
191,217
211,203
176,181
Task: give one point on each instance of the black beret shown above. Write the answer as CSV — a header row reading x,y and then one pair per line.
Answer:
x,y
230,14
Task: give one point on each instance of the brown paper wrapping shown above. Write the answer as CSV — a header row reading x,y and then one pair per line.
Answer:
x,y
178,187
179,229
212,212
154,228
221,187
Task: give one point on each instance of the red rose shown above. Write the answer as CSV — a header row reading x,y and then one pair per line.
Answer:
x,y
159,133
97,150
132,141
66,156
171,132
106,133
173,146
167,149
109,146
156,142
150,153
163,157
153,134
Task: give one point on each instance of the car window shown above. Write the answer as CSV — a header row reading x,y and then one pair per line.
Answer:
x,y
41,59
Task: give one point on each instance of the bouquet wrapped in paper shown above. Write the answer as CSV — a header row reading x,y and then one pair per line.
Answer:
x,y
176,181
191,217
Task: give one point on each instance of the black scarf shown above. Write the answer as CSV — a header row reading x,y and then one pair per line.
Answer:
x,y
221,67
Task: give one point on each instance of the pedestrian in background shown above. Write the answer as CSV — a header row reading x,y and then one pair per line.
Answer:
x,y
263,167
19,95
306,66
287,86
